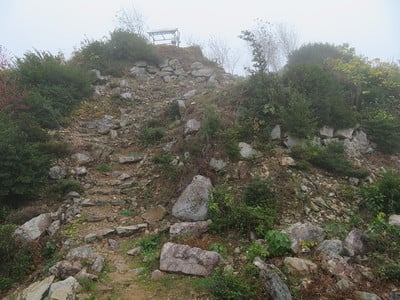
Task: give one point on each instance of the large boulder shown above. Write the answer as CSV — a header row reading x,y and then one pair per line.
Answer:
x,y
192,203
246,151
353,244
304,233
34,228
37,290
179,258
276,288
64,290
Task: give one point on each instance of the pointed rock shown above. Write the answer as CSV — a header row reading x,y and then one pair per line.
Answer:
x,y
64,290
192,203
34,228
37,290
276,288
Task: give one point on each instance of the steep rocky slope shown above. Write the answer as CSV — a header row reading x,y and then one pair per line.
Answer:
x,y
130,196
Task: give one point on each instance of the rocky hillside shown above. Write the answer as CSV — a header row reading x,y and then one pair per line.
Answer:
x,y
142,228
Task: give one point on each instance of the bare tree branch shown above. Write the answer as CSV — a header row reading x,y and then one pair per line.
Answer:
x,y
132,20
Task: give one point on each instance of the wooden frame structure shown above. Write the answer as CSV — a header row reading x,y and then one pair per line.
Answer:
x,y
165,35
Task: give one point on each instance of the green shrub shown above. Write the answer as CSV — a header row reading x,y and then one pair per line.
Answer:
x,y
318,53
217,247
257,250
384,130
163,159
258,192
210,124
88,286
24,168
326,95
5,283
116,54
15,258
331,158
92,55
383,243
104,168
150,247
152,135
260,105
56,86
225,285
56,149
229,212
62,187
49,250
298,117
278,243
229,141
384,195
127,213
335,230
173,112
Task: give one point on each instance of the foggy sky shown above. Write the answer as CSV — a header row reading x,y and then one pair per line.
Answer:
x,y
370,26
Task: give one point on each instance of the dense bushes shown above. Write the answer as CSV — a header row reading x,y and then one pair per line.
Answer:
x,y
24,167
225,285
331,158
254,211
297,117
16,261
116,54
384,196
318,53
327,85
55,86
384,130
328,97
43,90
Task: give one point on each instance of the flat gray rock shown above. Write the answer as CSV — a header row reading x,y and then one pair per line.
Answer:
x,y
179,258
129,230
189,228
80,253
129,159
34,228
